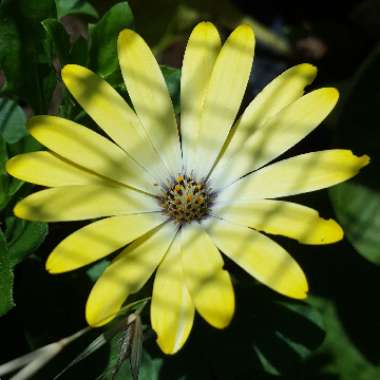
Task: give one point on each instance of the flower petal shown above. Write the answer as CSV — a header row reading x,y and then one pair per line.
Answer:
x,y
279,93
224,94
127,274
282,218
99,239
296,175
111,112
150,97
50,170
89,150
209,285
260,256
172,310
278,134
83,202
200,55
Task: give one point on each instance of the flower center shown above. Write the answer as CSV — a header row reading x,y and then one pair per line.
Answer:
x,y
185,199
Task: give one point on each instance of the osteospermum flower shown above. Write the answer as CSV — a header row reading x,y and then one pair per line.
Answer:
x,y
176,200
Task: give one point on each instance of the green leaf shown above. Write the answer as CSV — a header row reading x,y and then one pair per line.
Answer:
x,y
23,238
12,121
357,208
97,269
58,40
6,278
79,52
11,51
339,357
173,77
36,10
163,12
70,7
357,203
292,332
3,175
103,49
21,53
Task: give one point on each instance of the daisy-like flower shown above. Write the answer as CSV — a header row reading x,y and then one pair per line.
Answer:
x,y
178,200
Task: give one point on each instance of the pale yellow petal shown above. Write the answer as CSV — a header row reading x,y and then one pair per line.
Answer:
x,y
224,94
111,112
48,169
280,92
99,239
278,134
127,274
282,218
208,283
150,97
83,202
200,55
89,150
296,175
260,256
172,310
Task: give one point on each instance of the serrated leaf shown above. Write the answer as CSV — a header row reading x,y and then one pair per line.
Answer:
x,y
72,7
112,335
23,238
12,121
103,49
6,278
130,346
136,349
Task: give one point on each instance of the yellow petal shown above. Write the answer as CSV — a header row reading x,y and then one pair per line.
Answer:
x,y
127,274
50,170
282,218
278,134
260,256
110,111
280,92
224,94
200,55
172,310
209,285
150,97
89,150
99,239
83,202
296,175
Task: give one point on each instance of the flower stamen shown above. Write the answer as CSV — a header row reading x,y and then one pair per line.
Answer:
x,y
186,199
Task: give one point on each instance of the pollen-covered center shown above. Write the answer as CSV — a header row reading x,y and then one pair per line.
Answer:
x,y
186,199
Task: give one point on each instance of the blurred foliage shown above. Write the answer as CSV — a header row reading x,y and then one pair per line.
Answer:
x,y
331,337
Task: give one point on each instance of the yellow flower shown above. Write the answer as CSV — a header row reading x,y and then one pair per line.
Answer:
x,y
181,201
